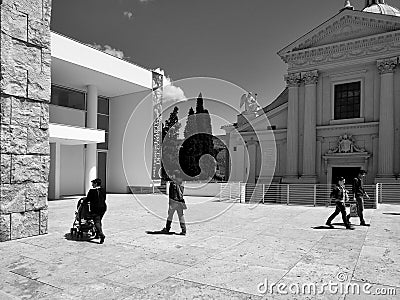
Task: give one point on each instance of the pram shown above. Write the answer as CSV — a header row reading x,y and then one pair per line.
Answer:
x,y
83,222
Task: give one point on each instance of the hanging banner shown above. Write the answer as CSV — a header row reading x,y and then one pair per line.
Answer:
x,y
157,88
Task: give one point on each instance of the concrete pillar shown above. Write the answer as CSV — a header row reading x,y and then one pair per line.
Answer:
x,y
55,171
91,107
293,81
91,149
25,91
386,68
310,129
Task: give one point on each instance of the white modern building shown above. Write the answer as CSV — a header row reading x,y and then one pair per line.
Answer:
x,y
96,99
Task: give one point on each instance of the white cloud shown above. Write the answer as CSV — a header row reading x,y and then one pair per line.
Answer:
x,y
109,50
173,93
128,14
114,52
96,46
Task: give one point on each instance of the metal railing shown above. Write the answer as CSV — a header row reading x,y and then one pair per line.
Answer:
x,y
388,193
300,194
291,194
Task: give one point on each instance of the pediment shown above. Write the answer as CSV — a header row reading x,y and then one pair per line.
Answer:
x,y
345,26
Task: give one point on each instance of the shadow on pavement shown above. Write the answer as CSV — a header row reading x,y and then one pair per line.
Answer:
x,y
324,227
392,213
85,238
329,227
161,232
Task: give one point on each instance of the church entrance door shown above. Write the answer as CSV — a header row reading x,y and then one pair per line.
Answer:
x,y
349,173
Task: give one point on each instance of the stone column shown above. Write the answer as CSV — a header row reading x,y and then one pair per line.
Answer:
x,y
386,68
91,149
319,157
310,130
25,91
292,152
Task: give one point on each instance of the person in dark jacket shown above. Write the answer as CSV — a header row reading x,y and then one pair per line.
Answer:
x,y
340,196
176,203
96,198
358,196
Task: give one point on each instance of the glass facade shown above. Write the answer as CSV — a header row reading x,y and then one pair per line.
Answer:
x,y
347,100
103,120
103,106
68,98
75,99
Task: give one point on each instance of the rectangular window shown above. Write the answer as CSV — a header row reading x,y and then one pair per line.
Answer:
x,y
103,120
67,98
347,100
102,106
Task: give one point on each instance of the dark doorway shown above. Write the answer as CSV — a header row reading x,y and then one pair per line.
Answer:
x,y
102,168
349,173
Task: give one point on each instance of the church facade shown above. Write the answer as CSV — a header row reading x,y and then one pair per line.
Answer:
x,y
339,111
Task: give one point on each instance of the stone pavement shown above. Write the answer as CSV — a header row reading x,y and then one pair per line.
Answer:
x,y
232,251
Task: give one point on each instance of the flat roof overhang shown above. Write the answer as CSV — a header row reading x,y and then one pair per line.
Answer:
x,y
74,135
76,65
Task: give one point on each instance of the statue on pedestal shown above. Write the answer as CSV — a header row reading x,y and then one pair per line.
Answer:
x,y
251,105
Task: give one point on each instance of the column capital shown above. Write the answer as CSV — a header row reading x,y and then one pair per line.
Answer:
x,y
293,79
387,65
310,77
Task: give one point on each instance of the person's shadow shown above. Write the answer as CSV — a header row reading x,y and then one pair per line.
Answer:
x,y
85,238
328,227
161,232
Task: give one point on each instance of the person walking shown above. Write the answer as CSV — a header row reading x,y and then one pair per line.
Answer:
x,y
358,196
176,203
96,198
340,195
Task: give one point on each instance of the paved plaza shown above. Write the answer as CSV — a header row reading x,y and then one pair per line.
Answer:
x,y
232,251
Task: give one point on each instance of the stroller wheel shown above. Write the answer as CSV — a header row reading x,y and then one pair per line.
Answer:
x,y
72,231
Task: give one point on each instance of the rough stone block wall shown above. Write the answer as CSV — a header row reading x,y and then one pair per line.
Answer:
x,y
25,90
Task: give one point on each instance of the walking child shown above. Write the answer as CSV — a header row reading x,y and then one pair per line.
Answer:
x,y
176,203
340,195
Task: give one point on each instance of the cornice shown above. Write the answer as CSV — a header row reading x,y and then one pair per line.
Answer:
x,y
347,126
363,22
276,110
364,155
372,45
263,132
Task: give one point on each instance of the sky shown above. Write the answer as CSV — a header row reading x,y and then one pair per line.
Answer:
x,y
232,40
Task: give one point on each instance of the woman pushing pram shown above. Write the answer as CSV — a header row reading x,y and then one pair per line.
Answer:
x,y
90,212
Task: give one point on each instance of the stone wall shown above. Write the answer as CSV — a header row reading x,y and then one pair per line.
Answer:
x,y
25,90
